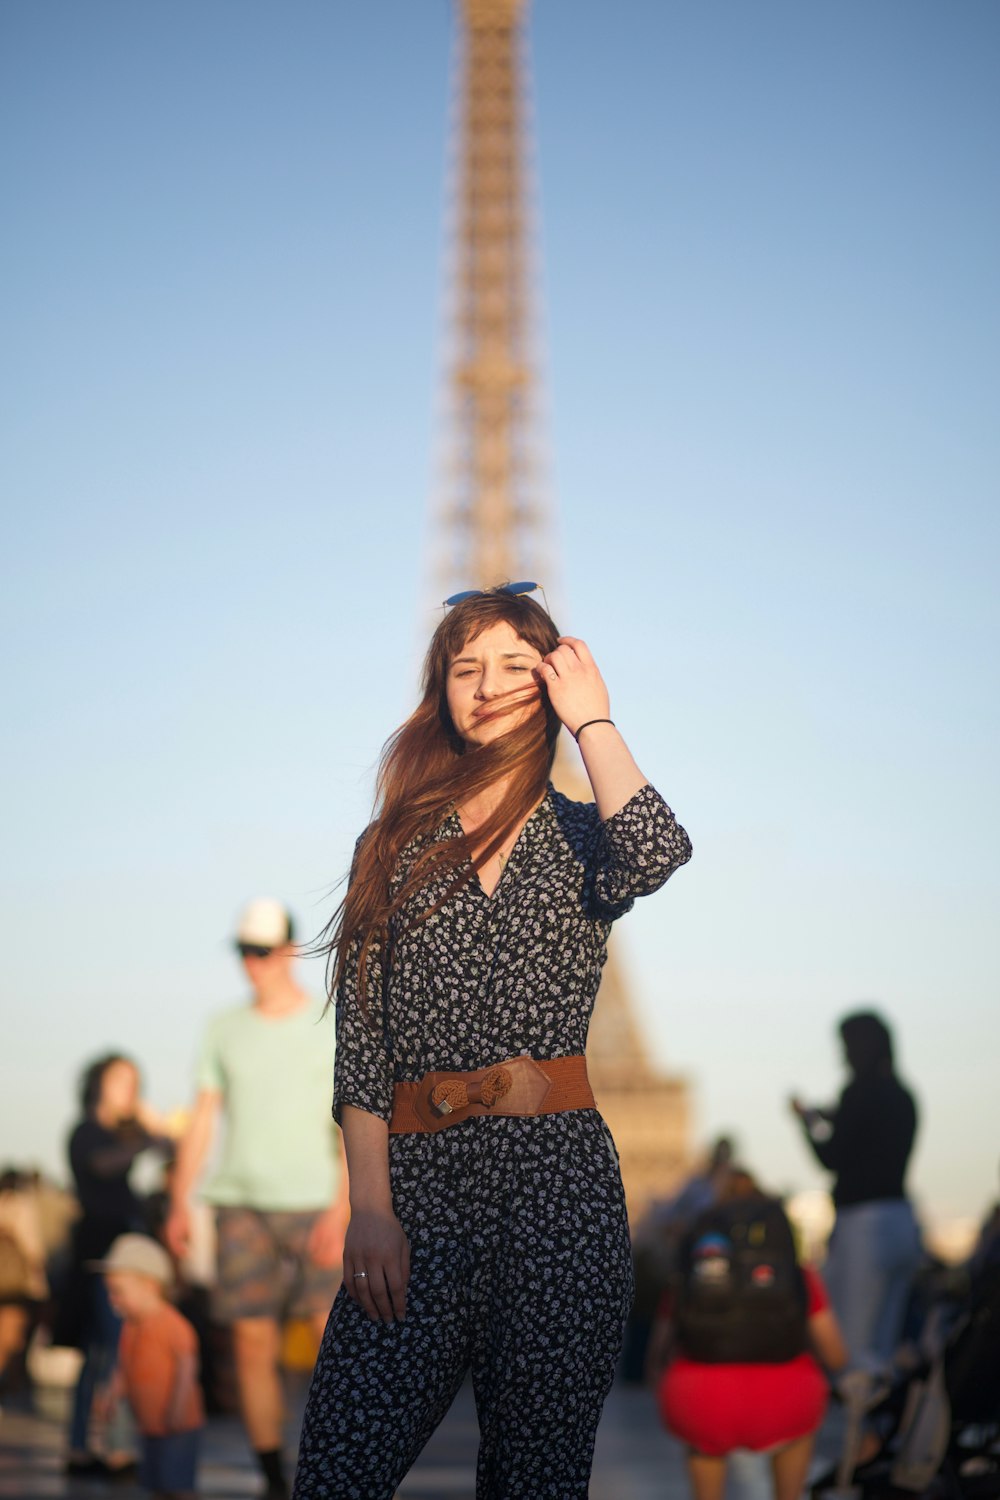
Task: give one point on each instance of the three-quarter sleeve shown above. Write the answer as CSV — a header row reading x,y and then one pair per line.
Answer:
x,y
362,1069
637,849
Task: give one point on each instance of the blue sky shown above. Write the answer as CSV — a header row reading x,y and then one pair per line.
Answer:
x,y
768,238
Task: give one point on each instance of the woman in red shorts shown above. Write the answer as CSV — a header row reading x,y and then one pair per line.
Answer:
x,y
774,1407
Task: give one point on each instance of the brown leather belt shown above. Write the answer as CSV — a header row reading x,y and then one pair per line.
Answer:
x,y
519,1086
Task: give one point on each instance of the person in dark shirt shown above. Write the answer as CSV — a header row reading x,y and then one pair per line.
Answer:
x,y
866,1142
117,1126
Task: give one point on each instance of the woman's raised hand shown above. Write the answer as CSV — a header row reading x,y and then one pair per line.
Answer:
x,y
575,686
375,1244
577,693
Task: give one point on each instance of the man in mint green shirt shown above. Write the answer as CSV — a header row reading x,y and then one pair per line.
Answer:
x,y
280,1185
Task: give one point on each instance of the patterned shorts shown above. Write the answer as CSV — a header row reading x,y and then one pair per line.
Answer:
x,y
264,1267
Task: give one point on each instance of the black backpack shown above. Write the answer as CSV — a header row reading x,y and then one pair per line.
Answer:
x,y
741,1297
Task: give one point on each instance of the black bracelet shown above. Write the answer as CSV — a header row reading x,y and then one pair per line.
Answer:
x,y
576,733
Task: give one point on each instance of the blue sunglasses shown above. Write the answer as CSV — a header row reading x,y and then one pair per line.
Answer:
x,y
524,587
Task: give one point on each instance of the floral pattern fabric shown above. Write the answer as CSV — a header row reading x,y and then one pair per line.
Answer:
x,y
520,1266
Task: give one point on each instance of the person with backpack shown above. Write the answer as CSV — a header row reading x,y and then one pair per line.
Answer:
x,y
751,1333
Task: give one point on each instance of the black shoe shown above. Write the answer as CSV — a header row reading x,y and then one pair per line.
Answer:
x,y
90,1467
120,1473
93,1467
277,1490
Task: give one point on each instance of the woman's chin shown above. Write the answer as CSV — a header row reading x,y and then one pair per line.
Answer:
x,y
486,730
479,735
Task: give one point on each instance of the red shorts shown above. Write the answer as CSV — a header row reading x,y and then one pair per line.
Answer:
x,y
715,1409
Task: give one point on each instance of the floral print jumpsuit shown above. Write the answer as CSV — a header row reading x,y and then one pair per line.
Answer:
x,y
520,1265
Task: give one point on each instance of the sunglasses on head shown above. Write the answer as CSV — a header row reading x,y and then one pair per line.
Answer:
x,y
253,950
524,587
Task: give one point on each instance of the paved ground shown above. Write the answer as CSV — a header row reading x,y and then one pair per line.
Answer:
x,y
635,1460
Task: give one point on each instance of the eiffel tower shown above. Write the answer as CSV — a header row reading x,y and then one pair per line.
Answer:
x,y
493,522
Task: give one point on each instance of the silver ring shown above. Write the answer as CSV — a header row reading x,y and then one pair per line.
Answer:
x,y
361,1276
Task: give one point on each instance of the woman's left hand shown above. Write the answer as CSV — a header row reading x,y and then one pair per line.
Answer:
x,y
575,686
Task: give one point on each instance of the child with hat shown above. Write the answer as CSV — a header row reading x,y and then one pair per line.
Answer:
x,y
157,1365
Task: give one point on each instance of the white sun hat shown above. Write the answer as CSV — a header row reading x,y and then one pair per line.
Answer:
x,y
265,923
138,1253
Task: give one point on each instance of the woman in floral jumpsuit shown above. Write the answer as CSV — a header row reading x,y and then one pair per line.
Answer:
x,y
498,1246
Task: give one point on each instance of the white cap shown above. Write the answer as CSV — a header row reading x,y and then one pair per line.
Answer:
x,y
138,1253
265,923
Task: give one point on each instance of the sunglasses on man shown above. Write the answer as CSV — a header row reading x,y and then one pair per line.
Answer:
x,y
253,950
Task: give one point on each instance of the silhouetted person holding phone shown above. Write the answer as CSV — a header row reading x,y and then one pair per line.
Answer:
x,y
866,1141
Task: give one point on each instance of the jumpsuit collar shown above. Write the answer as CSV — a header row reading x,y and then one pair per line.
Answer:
x,y
538,820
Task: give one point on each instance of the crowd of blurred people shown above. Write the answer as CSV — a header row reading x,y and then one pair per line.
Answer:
x,y
99,1284
741,1342
744,1343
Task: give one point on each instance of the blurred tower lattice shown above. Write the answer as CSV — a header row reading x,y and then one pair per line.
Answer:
x,y
495,523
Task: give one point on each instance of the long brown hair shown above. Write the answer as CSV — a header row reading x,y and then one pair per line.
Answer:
x,y
425,770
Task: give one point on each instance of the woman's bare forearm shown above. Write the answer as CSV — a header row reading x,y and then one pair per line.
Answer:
x,y
613,773
366,1144
578,694
376,1251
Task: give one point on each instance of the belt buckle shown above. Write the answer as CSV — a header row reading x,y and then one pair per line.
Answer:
x,y
432,1116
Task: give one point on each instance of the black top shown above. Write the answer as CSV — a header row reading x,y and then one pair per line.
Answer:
x,y
488,977
871,1139
101,1160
